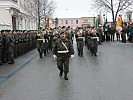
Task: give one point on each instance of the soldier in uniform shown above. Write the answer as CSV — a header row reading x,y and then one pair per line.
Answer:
x,y
80,42
63,50
40,41
11,48
100,34
1,46
46,41
68,34
50,39
112,33
5,46
94,42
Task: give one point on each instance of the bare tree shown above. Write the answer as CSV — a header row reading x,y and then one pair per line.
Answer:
x,y
47,9
113,6
40,9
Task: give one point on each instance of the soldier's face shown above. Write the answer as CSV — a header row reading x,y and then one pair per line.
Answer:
x,y
63,36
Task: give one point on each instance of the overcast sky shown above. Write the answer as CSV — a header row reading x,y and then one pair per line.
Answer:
x,y
75,9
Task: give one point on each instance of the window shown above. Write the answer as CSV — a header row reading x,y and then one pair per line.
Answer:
x,y
76,21
85,21
66,21
62,22
71,21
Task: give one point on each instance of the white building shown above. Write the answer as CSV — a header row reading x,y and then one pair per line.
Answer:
x,y
18,15
129,15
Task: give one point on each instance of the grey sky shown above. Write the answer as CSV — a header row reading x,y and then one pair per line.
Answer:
x,y
75,9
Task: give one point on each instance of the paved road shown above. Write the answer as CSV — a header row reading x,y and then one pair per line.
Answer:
x,y
106,77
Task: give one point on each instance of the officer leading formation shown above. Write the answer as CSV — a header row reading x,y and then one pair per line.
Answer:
x,y
63,50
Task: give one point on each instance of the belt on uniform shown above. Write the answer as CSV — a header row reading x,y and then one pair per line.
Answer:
x,y
95,38
63,51
39,39
80,37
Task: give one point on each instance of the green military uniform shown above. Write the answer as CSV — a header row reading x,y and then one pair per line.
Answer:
x,y
11,48
1,46
40,42
80,43
99,34
5,46
94,46
63,49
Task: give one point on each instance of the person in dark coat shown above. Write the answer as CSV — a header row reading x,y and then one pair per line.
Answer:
x,y
124,32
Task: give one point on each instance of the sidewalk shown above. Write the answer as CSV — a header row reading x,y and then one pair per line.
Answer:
x,y
8,70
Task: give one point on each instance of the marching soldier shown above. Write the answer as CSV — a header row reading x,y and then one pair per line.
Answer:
x,y
94,42
5,46
80,42
40,40
63,50
1,46
11,48
68,34
50,39
100,34
46,41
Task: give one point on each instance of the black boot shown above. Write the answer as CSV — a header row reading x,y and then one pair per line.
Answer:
x,y
65,77
61,73
40,55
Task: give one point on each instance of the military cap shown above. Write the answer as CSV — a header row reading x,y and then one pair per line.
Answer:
x,y
62,32
2,31
63,27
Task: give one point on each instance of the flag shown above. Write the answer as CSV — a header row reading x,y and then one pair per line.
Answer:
x,y
99,21
94,22
106,25
119,24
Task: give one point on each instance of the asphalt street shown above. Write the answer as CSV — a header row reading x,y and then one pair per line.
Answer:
x,y
109,76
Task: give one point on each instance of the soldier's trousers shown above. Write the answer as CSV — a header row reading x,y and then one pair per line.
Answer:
x,y
0,55
123,36
40,47
63,64
11,53
112,37
118,37
80,45
4,55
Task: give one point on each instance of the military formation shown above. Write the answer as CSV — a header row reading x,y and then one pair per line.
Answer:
x,y
58,40
15,43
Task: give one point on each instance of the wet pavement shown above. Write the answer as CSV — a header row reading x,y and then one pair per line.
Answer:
x,y
109,76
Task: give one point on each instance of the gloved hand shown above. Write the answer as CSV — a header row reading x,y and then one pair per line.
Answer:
x,y
54,57
72,56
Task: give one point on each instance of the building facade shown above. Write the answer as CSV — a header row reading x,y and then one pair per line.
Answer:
x,y
129,15
17,15
87,21
73,22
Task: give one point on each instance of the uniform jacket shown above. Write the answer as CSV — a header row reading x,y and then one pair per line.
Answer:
x,y
60,47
